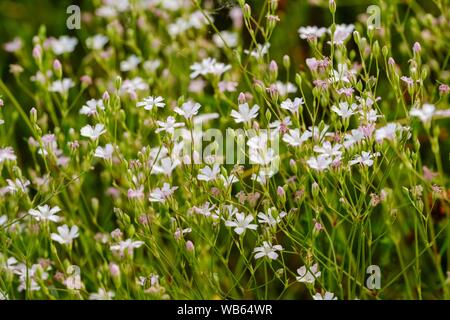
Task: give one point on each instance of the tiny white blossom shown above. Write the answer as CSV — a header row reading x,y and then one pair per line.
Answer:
x,y
150,102
93,133
327,296
245,114
168,126
188,109
45,213
65,235
162,194
91,106
130,63
320,163
344,110
308,275
241,222
292,106
267,250
104,153
63,45
209,173
102,294
295,139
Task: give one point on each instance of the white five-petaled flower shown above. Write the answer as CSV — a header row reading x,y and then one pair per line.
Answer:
x,y
295,139
63,45
425,114
91,106
168,126
150,102
311,32
208,66
366,158
320,163
241,222
269,218
308,275
45,213
7,154
161,194
102,294
97,42
342,32
65,235
91,132
328,149
130,63
165,166
206,210
209,173
344,110
267,250
104,153
61,86
292,106
126,246
245,114
188,109
327,296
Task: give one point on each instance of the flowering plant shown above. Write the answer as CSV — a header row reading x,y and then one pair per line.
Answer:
x,y
185,149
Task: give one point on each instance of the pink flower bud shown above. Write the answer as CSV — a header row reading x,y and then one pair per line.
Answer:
x,y
57,65
86,80
189,246
1,103
416,47
105,96
114,270
37,52
242,99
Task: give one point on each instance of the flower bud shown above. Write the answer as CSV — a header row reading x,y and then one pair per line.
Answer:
x,y
57,67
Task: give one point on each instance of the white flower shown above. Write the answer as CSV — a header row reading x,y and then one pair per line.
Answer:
x,y
97,42
241,222
93,133
342,32
285,88
387,132
63,45
166,166
344,111
130,64
90,108
308,275
62,86
311,32
150,102
188,109
245,114
7,154
45,213
260,51
231,179
292,106
226,37
209,173
369,116
327,296
208,66
102,294
168,126
104,153
65,235
267,250
269,219
3,219
425,114
328,149
17,185
161,194
355,136
206,210
320,163
126,246
365,158
295,139
341,74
